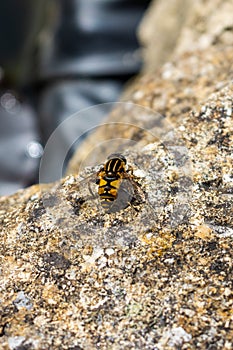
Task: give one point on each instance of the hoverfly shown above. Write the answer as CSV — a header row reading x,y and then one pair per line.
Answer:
x,y
117,188
116,184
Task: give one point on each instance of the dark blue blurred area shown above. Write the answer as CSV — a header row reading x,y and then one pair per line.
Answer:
x,y
20,22
14,29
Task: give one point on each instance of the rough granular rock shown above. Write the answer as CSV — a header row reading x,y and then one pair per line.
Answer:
x,y
158,274
155,275
159,102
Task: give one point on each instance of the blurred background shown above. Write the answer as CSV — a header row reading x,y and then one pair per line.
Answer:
x,y
58,57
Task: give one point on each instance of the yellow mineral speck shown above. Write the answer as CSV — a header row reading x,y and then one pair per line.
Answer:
x,y
172,175
87,250
157,244
203,261
211,150
204,232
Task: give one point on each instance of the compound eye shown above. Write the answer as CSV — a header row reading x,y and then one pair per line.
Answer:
x,y
97,181
124,159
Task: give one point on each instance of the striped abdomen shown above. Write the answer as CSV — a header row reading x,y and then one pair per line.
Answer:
x,y
108,190
110,179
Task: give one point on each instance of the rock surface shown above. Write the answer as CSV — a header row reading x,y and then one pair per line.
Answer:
x,y
157,103
157,274
171,28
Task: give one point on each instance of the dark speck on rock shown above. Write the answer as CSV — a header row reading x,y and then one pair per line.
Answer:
x,y
57,260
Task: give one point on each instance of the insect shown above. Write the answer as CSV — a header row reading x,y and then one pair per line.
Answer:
x,y
116,185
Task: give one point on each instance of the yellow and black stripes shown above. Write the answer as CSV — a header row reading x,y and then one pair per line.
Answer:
x,y
110,178
114,166
108,189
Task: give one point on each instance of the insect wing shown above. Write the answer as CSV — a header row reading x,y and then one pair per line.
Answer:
x,y
125,195
83,191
